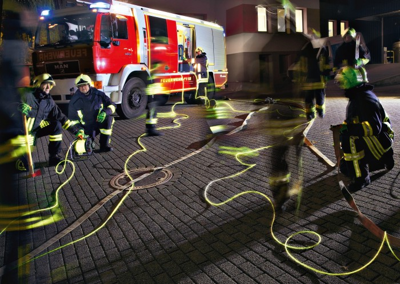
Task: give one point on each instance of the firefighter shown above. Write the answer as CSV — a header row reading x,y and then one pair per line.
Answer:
x,y
91,109
312,70
200,68
352,52
366,134
200,63
153,89
45,117
282,124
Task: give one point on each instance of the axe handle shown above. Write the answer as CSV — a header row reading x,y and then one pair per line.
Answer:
x,y
28,147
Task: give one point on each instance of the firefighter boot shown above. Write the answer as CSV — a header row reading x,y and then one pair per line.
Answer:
x,y
105,143
359,183
280,194
151,130
54,160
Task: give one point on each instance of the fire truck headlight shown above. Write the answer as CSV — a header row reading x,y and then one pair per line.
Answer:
x,y
45,13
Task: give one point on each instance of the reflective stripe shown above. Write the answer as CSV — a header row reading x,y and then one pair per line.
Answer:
x,y
68,124
372,148
112,107
13,148
44,123
53,138
151,121
74,122
313,86
30,122
80,115
320,107
277,180
106,131
367,128
310,109
356,156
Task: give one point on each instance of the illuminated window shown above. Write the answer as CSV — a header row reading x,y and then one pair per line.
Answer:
x,y
331,28
343,26
299,21
262,19
280,14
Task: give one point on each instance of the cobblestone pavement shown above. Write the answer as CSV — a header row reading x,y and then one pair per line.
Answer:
x,y
167,233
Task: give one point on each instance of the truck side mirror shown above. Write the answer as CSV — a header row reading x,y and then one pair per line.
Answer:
x,y
115,42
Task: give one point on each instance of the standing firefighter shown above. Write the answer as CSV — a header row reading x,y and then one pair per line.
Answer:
x,y
45,117
153,89
352,52
366,134
312,69
91,109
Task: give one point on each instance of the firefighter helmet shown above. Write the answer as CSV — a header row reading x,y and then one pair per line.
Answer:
x,y
43,78
349,77
83,80
350,31
199,49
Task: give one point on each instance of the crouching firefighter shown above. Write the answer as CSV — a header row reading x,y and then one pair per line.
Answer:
x,y
91,110
44,117
366,134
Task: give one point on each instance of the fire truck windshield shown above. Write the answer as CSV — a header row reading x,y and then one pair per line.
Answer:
x,y
66,30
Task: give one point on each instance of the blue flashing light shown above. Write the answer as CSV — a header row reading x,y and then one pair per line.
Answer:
x,y
100,5
45,13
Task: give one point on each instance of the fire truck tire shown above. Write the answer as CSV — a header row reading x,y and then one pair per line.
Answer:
x,y
134,99
190,98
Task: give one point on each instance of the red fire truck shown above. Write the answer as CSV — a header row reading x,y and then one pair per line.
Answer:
x,y
117,43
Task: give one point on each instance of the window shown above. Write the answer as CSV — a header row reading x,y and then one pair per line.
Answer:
x,y
120,29
299,20
280,14
331,28
262,19
343,26
158,30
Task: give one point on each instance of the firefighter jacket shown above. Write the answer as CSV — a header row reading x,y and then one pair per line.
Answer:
x,y
369,134
201,64
44,109
313,68
346,54
84,109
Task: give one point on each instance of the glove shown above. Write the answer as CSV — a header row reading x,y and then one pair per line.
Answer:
x,y
101,116
25,109
343,128
358,62
81,134
44,123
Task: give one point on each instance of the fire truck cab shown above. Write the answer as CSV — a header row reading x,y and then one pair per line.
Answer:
x,y
123,48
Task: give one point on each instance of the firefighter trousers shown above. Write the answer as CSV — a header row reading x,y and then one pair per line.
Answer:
x,y
314,101
54,131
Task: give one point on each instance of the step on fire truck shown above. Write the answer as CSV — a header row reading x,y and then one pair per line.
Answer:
x,y
117,43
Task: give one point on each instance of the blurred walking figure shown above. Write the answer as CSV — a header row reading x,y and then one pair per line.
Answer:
x,y
154,88
312,71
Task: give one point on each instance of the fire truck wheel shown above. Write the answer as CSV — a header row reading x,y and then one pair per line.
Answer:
x,y
190,98
134,99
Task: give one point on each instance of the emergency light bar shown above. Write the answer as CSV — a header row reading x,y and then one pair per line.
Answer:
x,y
100,5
